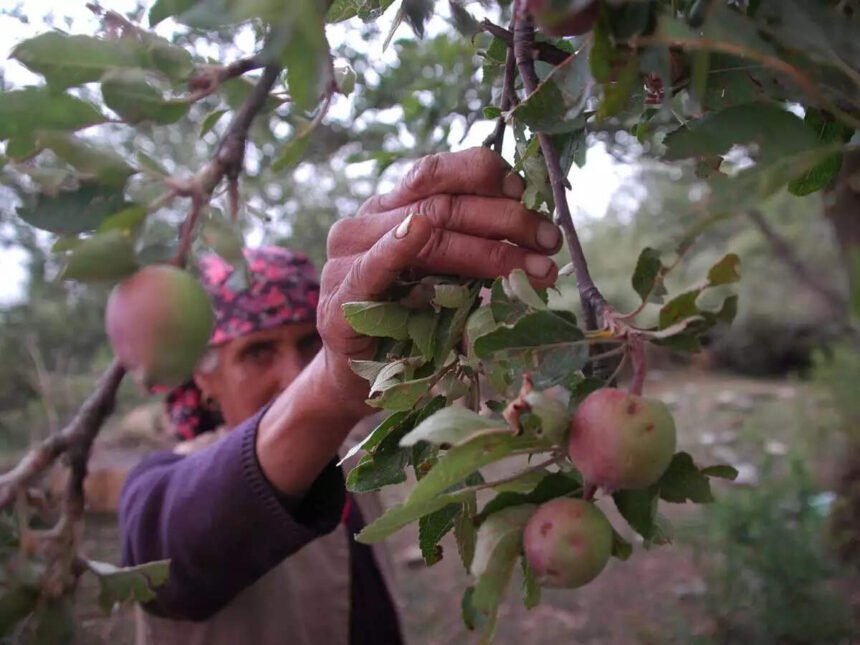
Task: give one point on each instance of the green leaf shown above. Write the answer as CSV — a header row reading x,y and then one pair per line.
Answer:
x,y
72,212
52,622
721,471
422,330
211,121
397,517
128,93
365,9
22,112
464,459
106,256
163,9
539,329
639,508
21,149
776,131
465,531
648,276
518,287
15,605
451,324
432,528
402,396
451,296
97,163
678,308
559,101
452,426
129,584
224,238
368,370
382,319
531,588
291,154
725,271
551,485
683,481
375,471
127,220
471,618
822,175
621,548
51,181
66,61
499,545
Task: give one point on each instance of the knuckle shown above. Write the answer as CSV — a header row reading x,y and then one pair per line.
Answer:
x,y
337,235
500,258
424,174
438,246
436,208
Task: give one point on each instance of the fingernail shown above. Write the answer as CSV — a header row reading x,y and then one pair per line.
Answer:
x,y
402,229
538,266
513,186
548,235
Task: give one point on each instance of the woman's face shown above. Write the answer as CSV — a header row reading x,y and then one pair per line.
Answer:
x,y
255,368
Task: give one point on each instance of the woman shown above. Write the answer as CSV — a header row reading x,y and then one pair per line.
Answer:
x,y
257,525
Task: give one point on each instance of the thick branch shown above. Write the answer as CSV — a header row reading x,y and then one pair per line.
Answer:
x,y
593,302
76,439
782,249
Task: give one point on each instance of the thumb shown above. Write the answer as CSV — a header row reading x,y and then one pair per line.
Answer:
x,y
377,269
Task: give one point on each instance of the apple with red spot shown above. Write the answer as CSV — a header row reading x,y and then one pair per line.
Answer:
x,y
567,542
621,441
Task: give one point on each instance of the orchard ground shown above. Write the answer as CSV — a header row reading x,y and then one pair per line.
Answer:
x,y
655,597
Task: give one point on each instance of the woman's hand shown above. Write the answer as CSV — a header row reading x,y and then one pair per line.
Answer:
x,y
454,213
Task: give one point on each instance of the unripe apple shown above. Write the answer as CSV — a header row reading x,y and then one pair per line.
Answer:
x,y
620,440
567,542
159,321
564,17
553,415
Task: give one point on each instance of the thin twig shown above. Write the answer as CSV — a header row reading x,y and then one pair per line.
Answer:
x,y
496,140
593,302
507,480
640,366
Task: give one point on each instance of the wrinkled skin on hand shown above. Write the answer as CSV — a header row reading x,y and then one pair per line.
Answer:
x,y
454,213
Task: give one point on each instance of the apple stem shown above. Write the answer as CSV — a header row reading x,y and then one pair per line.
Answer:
x,y
640,367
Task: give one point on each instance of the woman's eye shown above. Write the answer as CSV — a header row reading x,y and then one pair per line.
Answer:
x,y
259,352
309,346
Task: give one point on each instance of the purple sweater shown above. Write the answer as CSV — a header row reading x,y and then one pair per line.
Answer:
x,y
194,509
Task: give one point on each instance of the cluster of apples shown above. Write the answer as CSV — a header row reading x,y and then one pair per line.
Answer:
x,y
617,441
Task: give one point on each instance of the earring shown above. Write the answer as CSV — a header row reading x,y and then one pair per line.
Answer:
x,y
210,403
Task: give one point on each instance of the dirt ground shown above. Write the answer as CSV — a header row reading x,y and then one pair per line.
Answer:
x,y
655,597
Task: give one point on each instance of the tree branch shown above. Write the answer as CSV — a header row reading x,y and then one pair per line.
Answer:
x,y
593,302
76,439
782,250
496,140
546,52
